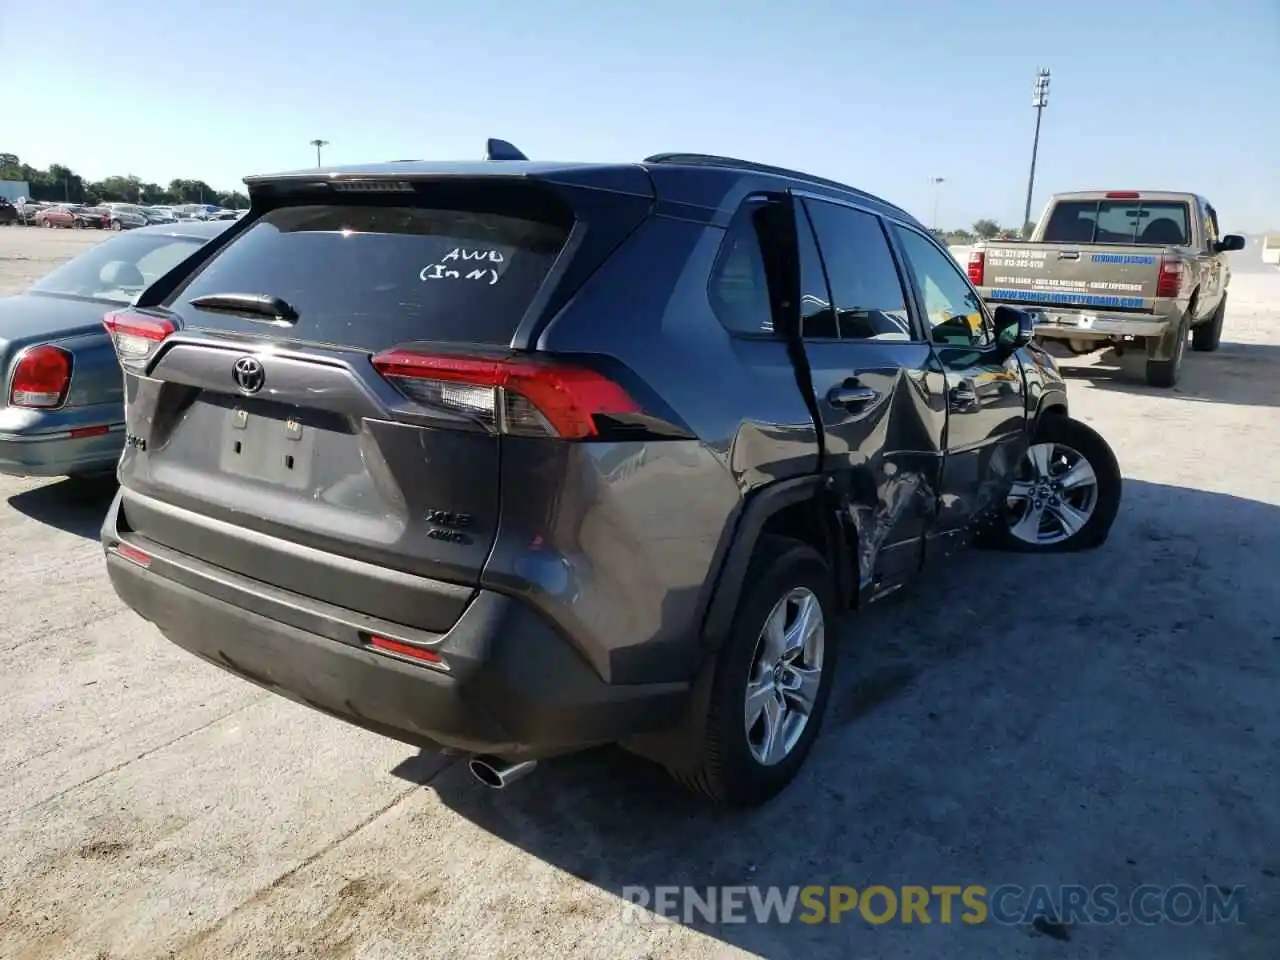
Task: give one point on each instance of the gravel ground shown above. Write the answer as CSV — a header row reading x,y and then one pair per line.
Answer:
x,y
1110,717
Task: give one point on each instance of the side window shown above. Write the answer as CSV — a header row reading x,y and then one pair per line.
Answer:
x,y
817,316
952,306
869,300
1213,234
739,287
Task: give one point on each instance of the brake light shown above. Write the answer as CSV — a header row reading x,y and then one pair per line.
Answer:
x,y
135,335
513,395
1169,282
40,378
977,267
1124,195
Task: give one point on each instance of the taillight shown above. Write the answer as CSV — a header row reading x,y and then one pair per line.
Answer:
x,y
1124,195
40,378
135,335
1169,284
514,395
977,267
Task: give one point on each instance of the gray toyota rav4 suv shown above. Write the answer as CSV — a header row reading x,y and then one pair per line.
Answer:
x,y
517,458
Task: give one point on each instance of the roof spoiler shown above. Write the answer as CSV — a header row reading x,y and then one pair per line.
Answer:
x,y
496,149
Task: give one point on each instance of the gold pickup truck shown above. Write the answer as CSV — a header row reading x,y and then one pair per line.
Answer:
x,y
1129,269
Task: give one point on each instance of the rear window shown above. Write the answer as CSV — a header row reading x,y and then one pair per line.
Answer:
x,y
373,276
1118,221
119,269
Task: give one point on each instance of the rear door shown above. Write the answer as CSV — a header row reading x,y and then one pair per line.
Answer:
x,y
986,418
882,422
265,440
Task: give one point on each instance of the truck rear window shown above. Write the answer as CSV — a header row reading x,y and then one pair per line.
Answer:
x,y
1118,221
371,276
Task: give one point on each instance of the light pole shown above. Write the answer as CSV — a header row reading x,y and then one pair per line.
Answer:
x,y
1039,100
318,144
937,190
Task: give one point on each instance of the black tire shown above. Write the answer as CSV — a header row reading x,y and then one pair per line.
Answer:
x,y
1206,337
721,766
1165,373
1061,429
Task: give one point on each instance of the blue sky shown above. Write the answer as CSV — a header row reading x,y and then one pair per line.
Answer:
x,y
885,95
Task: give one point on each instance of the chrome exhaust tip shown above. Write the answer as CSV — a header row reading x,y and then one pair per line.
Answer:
x,y
496,773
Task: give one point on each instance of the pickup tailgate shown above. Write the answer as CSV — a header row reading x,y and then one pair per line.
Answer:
x,y
1113,277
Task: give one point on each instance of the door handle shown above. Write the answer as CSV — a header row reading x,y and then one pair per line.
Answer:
x,y
963,395
850,394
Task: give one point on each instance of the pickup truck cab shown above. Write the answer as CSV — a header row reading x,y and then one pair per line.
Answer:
x,y
1126,269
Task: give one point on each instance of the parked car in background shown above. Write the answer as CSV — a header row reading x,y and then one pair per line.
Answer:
x,y
28,210
440,462
1140,270
223,214
71,215
159,215
8,213
62,414
125,216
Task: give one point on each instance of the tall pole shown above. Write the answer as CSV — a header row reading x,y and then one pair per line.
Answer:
x,y
937,190
1039,100
318,144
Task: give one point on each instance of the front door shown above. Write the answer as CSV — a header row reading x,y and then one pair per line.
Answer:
x,y
868,362
986,407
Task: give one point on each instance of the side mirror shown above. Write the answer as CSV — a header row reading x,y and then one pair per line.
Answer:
x,y
1014,328
1230,243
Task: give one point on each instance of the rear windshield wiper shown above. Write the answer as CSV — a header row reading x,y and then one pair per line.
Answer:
x,y
261,304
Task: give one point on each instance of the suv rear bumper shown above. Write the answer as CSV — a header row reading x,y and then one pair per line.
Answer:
x,y
510,685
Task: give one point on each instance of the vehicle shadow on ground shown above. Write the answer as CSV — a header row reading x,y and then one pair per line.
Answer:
x,y
74,506
1243,374
962,731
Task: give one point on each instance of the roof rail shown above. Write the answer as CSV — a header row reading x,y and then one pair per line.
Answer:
x,y
496,149
711,160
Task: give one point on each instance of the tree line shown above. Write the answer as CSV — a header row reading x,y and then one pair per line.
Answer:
x,y
985,230
61,184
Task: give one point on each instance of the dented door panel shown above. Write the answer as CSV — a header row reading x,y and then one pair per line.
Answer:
x,y
884,456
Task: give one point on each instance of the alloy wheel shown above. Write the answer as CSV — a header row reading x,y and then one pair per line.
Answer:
x,y
785,675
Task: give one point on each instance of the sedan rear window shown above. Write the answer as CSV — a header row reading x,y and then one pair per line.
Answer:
x,y
371,276
119,269
1118,221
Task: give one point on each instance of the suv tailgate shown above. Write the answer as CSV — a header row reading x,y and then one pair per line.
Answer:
x,y
270,446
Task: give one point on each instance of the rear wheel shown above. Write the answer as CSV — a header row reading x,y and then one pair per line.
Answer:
x,y
1165,373
1206,337
117,225
1066,492
772,678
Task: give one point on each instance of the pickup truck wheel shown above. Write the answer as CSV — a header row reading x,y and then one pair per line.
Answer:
x,y
772,678
1206,337
1066,492
1165,373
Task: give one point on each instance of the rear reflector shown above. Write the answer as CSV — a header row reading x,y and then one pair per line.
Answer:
x,y
1124,195
126,552
1169,284
40,378
388,645
83,432
136,335
977,267
514,395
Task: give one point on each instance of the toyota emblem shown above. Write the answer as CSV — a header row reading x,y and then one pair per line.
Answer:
x,y
249,375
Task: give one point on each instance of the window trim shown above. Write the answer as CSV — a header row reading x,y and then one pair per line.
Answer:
x,y
723,248
915,319
918,293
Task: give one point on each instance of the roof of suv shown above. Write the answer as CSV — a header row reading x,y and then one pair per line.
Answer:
x,y
625,177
